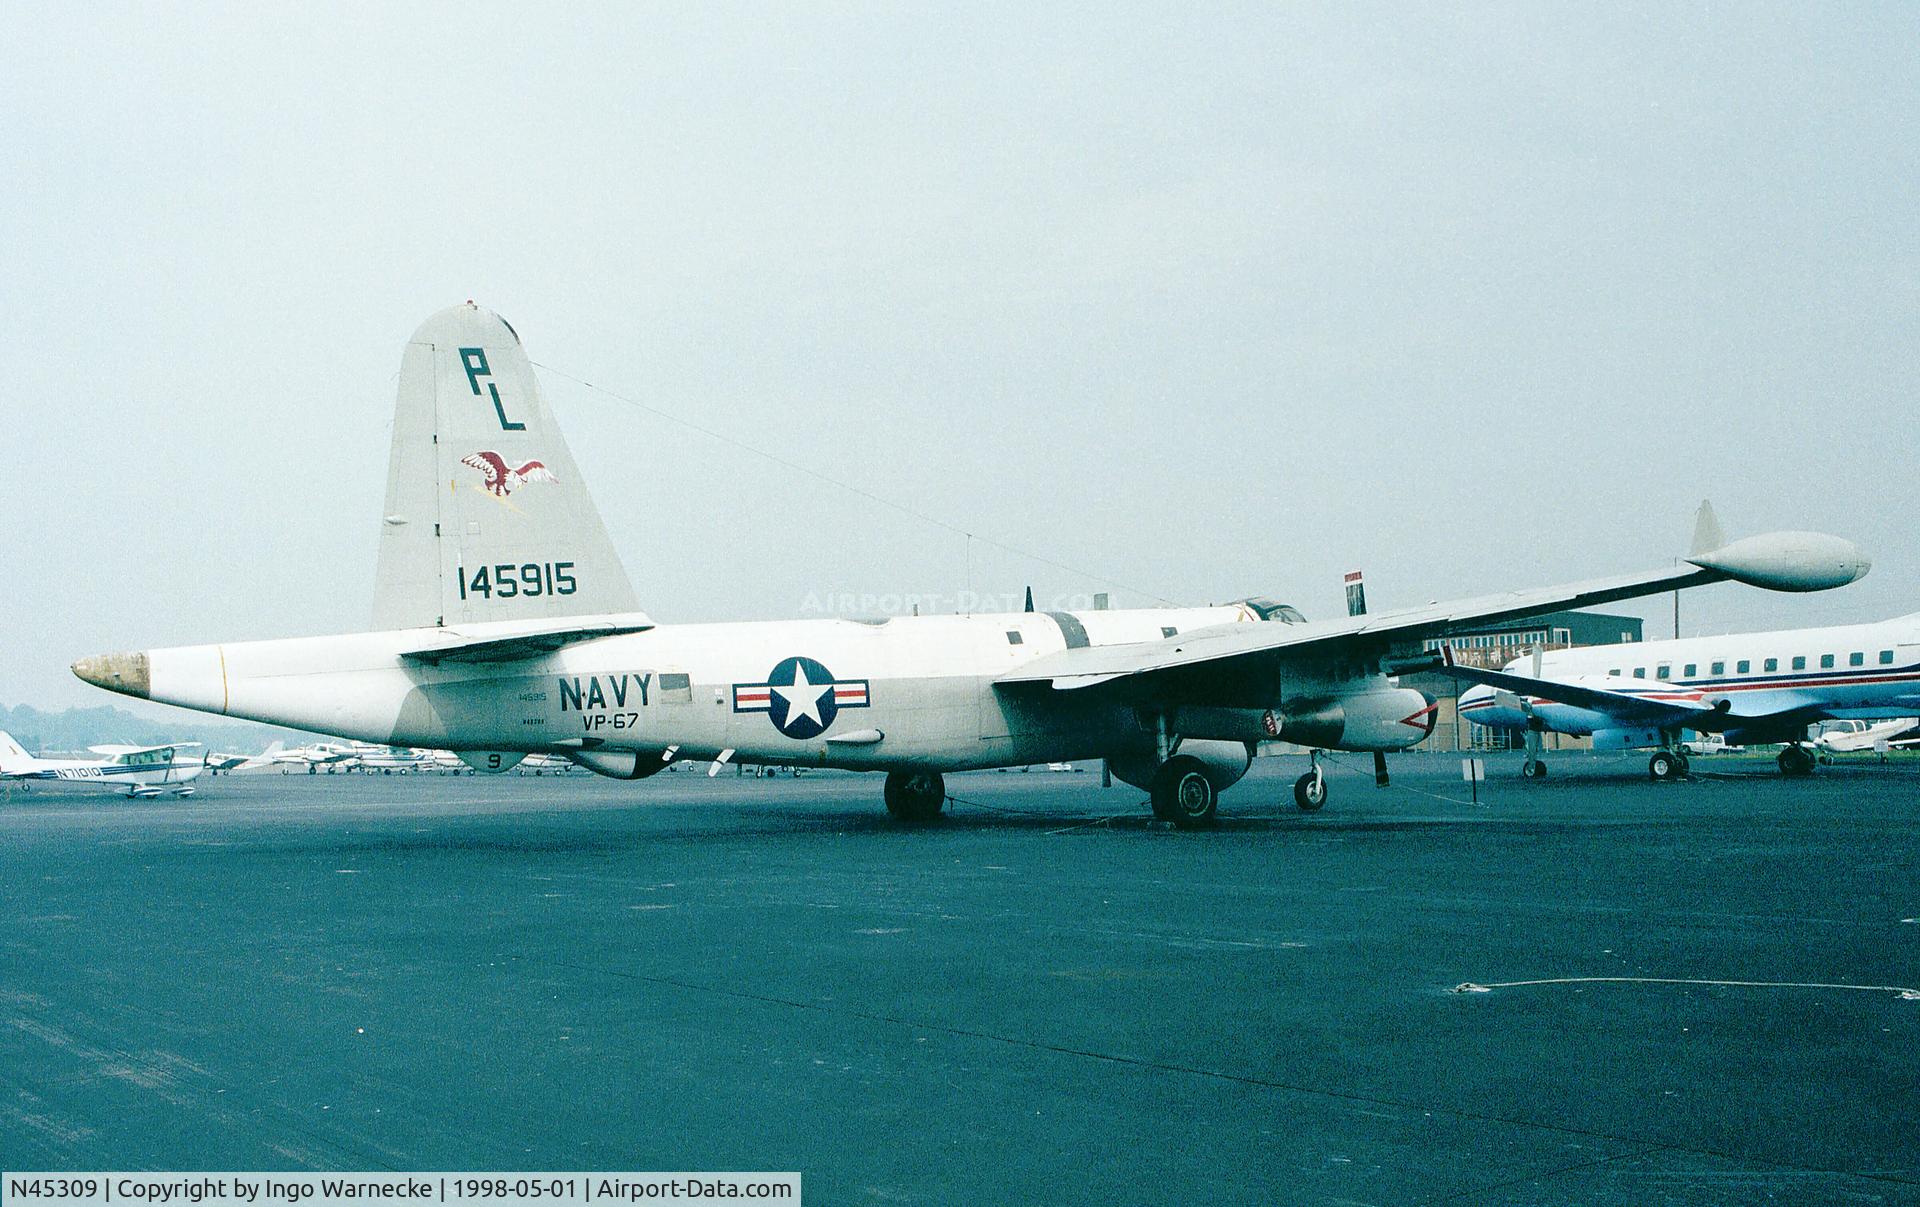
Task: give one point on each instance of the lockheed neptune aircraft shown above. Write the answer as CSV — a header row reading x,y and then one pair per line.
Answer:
x,y
504,625
1752,687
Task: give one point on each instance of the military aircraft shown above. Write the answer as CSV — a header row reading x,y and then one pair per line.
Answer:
x,y
1756,688
505,625
140,771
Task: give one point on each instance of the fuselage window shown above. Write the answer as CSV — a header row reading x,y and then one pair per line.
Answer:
x,y
1663,672
1886,657
1770,665
1719,668
1799,662
1614,673
1856,659
1742,667
1690,671
1826,661
1167,630
1639,672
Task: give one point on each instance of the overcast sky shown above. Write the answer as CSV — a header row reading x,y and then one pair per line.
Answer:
x,y
1205,306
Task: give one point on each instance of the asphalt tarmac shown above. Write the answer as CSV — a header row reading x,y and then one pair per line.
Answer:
x,y
1044,998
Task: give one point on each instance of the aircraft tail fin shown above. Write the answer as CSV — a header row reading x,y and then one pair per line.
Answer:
x,y
486,516
12,755
1706,531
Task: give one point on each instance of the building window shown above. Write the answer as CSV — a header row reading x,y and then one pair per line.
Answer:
x,y
1743,667
1856,659
1014,637
1719,668
1625,637
1886,657
1770,665
1799,662
1826,662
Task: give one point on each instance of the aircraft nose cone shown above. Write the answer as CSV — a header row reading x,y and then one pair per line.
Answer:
x,y
123,673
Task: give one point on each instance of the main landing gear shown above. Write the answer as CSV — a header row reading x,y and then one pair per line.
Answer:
x,y
915,795
1796,761
1183,793
1667,765
1534,769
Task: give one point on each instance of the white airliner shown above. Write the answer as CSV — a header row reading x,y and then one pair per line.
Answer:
x,y
140,771
505,625
1752,687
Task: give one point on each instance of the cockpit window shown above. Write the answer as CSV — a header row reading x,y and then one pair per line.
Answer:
x,y
1269,609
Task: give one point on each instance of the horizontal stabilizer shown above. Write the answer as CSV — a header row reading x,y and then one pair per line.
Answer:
x,y
515,641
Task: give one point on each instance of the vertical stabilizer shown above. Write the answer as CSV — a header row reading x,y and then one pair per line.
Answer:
x,y
1706,531
486,515
12,757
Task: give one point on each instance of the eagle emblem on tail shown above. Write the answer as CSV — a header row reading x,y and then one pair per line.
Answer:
x,y
503,479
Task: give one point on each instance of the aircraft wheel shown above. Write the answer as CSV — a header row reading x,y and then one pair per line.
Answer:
x,y
1183,793
1795,762
1534,769
1664,766
915,795
1310,791
312,770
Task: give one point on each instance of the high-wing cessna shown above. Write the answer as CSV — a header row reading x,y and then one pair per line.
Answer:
x,y
141,771
504,624
1753,687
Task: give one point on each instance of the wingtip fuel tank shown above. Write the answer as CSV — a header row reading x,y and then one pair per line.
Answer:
x,y
1789,561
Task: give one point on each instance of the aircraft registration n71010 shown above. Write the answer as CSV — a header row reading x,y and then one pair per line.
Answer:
x,y
505,625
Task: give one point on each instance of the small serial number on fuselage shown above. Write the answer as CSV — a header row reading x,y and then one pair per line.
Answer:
x,y
506,580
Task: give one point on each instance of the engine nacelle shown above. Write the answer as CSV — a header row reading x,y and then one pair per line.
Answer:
x,y
1225,762
619,764
1392,719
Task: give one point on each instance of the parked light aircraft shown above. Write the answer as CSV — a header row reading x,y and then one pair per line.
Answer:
x,y
504,624
141,771
1753,687
1854,737
334,756
228,763
371,756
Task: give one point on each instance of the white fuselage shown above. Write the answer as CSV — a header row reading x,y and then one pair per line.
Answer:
x,y
1868,670
904,692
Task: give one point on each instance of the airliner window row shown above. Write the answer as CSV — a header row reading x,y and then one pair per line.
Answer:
x,y
1691,670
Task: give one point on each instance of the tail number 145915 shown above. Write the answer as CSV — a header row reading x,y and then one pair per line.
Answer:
x,y
506,580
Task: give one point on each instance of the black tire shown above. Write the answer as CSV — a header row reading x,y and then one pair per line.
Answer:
x,y
1310,792
915,795
1534,769
1183,793
1664,766
1795,762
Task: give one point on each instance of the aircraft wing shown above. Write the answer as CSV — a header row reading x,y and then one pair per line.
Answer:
x,y
123,751
513,641
1662,705
1781,561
